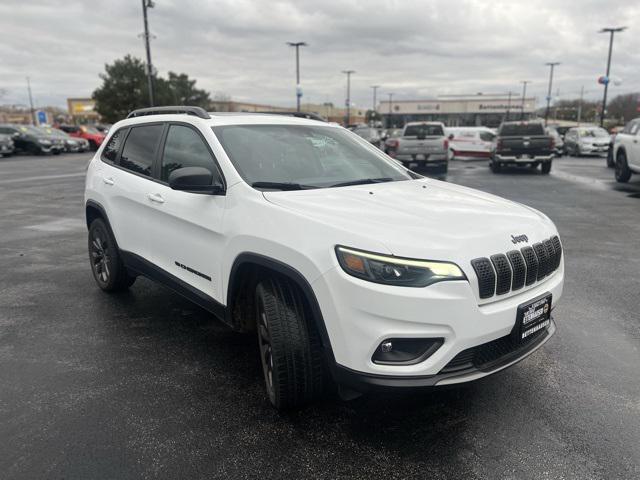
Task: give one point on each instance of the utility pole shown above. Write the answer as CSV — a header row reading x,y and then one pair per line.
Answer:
x,y
508,105
348,102
552,65
375,89
33,116
524,94
148,4
611,32
390,102
580,105
297,45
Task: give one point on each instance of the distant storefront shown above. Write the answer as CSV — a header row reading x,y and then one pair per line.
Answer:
x,y
458,110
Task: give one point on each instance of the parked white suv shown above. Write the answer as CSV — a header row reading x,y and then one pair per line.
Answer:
x,y
626,151
348,266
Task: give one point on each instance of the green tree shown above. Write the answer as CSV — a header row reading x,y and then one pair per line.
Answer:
x,y
124,88
624,107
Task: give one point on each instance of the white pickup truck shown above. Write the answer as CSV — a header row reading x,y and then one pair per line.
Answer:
x,y
424,145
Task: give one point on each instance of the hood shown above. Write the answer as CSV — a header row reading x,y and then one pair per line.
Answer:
x,y
423,218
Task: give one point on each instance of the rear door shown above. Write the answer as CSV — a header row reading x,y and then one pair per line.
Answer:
x,y
126,184
633,158
187,227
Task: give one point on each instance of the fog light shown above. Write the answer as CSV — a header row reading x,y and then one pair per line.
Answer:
x,y
405,351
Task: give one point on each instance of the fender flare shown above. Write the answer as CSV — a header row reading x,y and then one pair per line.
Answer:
x,y
293,275
103,215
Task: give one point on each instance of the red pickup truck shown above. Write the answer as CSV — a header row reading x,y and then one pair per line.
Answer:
x,y
91,134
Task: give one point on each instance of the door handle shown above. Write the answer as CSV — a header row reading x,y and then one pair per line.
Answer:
x,y
108,181
155,197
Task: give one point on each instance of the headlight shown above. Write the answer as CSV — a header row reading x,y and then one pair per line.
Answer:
x,y
397,271
44,142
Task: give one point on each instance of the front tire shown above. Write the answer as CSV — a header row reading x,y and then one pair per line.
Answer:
x,y
290,348
610,162
495,167
546,168
107,267
622,172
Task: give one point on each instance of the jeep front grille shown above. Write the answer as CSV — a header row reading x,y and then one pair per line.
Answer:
x,y
505,273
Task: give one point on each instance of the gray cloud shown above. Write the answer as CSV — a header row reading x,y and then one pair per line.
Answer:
x,y
412,48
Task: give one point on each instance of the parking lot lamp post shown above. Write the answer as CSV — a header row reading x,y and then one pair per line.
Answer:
x,y
148,4
524,94
297,45
375,89
552,65
611,32
508,105
348,73
390,102
33,115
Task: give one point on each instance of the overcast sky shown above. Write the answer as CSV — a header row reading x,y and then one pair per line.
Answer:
x,y
416,49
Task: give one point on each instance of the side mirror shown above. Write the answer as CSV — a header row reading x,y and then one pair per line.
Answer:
x,y
195,180
451,136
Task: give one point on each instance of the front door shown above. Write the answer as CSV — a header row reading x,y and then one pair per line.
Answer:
x,y
187,227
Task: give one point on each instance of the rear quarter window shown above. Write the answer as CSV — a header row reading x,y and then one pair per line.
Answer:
x,y
111,149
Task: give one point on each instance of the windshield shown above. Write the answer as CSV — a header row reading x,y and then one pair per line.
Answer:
x,y
304,156
424,130
521,129
593,132
90,130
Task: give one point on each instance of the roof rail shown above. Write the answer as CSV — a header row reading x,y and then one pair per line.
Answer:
x,y
196,111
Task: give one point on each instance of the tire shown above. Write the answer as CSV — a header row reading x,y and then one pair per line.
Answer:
x,y
107,267
546,168
622,172
290,348
495,167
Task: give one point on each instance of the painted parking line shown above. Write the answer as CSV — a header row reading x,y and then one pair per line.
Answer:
x,y
42,177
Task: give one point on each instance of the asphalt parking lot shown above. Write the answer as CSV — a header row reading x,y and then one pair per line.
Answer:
x,y
146,385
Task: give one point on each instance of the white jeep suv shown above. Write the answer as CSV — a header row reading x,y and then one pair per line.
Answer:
x,y
626,151
351,269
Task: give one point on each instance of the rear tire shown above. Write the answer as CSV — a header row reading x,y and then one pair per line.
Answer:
x,y
290,348
546,168
622,172
107,267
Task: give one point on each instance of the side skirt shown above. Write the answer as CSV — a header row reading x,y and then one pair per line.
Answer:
x,y
147,269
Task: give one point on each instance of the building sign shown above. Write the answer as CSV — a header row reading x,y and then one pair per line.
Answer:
x,y
460,105
82,107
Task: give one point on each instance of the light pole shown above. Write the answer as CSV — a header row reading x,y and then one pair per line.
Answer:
x,y
552,65
524,94
390,102
298,88
33,116
375,89
611,32
148,4
508,105
348,102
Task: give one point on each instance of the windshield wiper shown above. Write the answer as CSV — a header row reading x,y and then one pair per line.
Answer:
x,y
362,181
282,185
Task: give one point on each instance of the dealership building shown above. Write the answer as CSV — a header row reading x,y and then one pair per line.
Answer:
x,y
458,110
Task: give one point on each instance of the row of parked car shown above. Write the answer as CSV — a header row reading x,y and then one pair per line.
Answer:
x,y
16,138
430,145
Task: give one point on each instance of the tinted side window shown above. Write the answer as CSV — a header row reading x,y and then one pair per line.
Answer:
x,y
110,151
140,149
185,148
487,136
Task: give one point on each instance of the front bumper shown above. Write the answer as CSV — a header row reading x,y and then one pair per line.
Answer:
x,y
363,382
6,149
359,315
